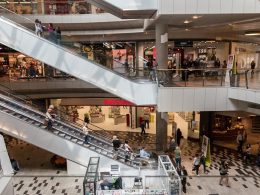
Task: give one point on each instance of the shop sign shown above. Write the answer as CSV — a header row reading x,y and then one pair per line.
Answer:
x,y
202,51
183,43
117,102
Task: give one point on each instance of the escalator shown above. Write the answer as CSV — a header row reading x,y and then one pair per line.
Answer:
x,y
67,140
18,37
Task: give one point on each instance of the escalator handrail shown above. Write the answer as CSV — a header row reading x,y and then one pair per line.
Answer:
x,y
67,133
57,121
27,30
69,122
101,138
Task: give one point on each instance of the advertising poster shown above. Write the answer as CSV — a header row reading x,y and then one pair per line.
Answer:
x,y
119,58
230,63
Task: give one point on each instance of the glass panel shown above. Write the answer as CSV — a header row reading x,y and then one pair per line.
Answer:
x,y
50,7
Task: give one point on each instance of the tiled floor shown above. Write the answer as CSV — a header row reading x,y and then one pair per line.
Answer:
x,y
37,176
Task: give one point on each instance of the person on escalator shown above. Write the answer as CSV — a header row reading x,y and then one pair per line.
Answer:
x,y
49,119
86,130
116,145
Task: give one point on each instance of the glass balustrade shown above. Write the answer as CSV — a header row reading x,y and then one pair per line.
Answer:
x,y
51,33
50,7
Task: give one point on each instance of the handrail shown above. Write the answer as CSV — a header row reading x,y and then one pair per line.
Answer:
x,y
67,133
36,106
29,31
121,153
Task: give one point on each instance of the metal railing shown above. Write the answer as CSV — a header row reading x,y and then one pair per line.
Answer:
x,y
66,43
91,176
208,77
173,182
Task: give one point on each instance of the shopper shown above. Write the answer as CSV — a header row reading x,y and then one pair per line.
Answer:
x,y
248,154
252,68
38,28
223,171
128,151
58,35
116,145
142,126
258,155
147,120
240,142
15,165
86,130
184,175
172,146
52,35
49,119
179,136
177,154
203,162
196,164
144,154
126,65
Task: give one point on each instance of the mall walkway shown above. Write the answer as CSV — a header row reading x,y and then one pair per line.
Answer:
x,y
34,164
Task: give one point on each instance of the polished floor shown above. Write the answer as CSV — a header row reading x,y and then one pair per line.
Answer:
x,y
38,176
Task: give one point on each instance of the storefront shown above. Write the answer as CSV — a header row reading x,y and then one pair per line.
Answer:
x,y
107,113
15,65
50,7
245,53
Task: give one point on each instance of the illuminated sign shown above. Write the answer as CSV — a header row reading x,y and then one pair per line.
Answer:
x,y
117,102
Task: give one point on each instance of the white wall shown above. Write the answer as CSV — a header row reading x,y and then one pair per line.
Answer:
x,y
134,4
4,158
185,99
75,169
6,186
208,6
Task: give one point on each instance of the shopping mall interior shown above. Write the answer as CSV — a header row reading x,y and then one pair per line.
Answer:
x,y
104,97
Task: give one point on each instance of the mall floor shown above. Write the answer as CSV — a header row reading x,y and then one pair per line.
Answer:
x,y
38,176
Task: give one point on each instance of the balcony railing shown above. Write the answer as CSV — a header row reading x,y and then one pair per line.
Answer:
x,y
49,7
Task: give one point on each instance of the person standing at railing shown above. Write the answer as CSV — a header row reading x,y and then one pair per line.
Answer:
x,y
52,35
38,27
58,35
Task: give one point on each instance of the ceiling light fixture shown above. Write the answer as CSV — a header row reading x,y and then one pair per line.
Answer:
x,y
186,29
196,17
186,22
252,33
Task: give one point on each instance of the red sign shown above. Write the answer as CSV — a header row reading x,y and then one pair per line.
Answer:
x,y
117,102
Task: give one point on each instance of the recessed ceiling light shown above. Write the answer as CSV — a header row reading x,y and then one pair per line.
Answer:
x,y
196,17
252,33
186,22
186,29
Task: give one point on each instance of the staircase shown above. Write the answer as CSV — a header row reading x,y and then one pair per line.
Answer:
x,y
27,123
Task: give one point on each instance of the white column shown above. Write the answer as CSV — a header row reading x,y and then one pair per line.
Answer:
x,y
162,45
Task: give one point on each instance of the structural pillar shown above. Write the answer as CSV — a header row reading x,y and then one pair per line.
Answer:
x,y
162,45
161,131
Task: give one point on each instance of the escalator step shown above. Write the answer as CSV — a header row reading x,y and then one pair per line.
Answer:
x,y
68,137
